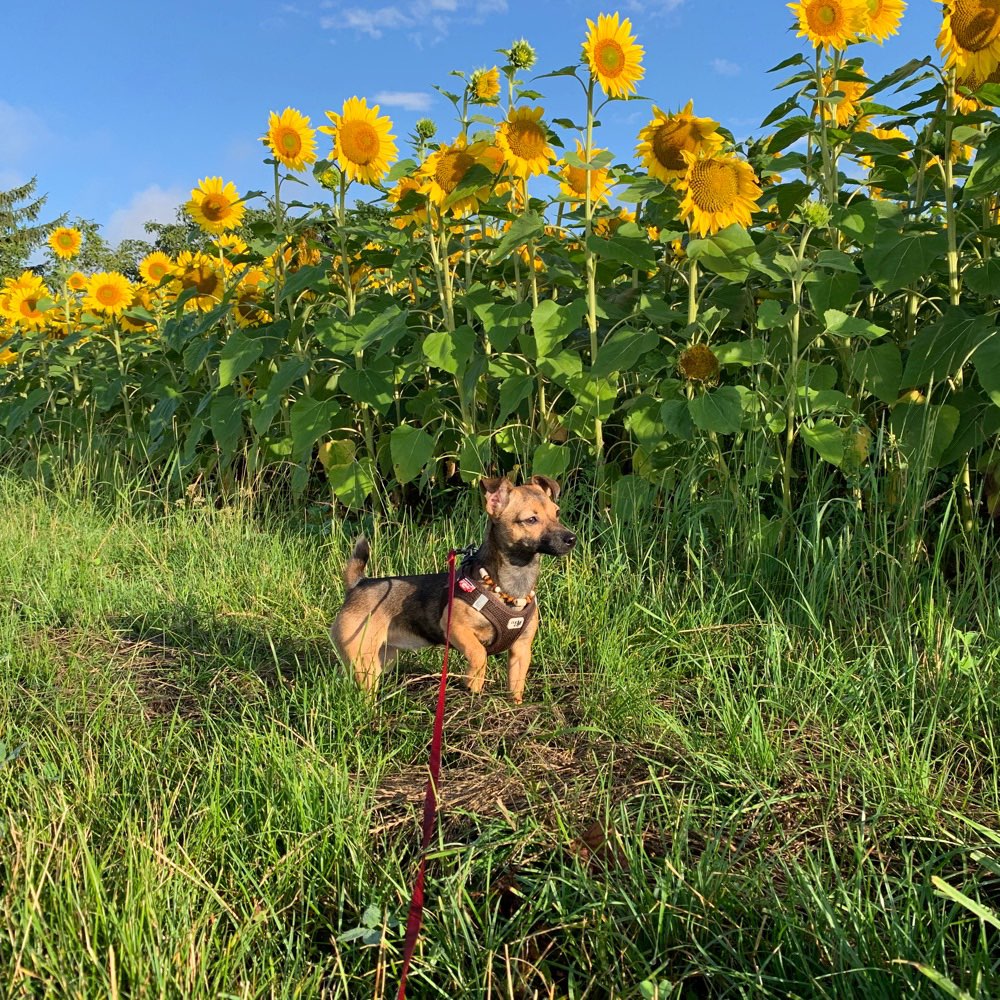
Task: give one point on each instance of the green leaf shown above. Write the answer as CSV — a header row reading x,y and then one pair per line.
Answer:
x,y
730,253
268,400
643,422
310,419
374,384
553,322
525,227
352,483
474,457
623,350
411,448
900,260
450,352
770,315
312,276
741,352
631,497
984,178
839,324
923,431
238,354
987,363
859,221
719,410
514,390
879,370
984,278
225,418
550,460
676,419
630,245
826,437
502,321
940,349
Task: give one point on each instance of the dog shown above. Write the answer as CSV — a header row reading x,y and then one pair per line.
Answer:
x,y
494,608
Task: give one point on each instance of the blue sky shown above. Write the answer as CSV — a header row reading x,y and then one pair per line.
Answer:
x,y
120,107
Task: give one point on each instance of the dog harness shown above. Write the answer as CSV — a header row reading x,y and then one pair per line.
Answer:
x,y
508,622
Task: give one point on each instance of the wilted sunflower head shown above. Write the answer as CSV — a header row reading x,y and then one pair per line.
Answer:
x,y
970,37
697,363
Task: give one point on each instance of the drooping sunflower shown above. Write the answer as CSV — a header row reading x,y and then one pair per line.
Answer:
x,y
970,37
606,226
882,18
215,206
201,272
65,242
142,299
154,267
717,191
108,293
614,59
525,143
573,180
830,23
77,281
362,141
484,87
248,308
290,139
846,109
698,363
447,168
668,136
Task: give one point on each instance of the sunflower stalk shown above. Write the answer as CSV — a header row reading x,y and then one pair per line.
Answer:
x,y
591,269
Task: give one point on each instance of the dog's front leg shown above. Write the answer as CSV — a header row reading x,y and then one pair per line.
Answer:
x,y
520,659
464,639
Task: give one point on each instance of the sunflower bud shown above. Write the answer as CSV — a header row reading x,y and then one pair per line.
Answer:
x,y
521,54
426,129
816,214
698,364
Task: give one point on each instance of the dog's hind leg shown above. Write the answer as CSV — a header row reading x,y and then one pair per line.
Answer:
x,y
362,648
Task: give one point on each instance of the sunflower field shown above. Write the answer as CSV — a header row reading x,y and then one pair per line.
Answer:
x,y
817,305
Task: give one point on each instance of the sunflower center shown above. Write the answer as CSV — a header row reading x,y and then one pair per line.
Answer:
x,y
157,271
451,168
824,17
526,140
107,295
289,142
610,57
215,207
65,241
668,142
714,186
359,142
975,23
29,308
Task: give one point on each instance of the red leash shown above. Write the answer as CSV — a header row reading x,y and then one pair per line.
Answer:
x,y
416,914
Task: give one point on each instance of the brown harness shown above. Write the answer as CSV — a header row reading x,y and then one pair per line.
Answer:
x,y
508,622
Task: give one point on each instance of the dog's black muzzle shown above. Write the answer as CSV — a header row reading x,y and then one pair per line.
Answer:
x,y
557,543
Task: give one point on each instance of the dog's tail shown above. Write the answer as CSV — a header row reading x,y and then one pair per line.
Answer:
x,y
354,571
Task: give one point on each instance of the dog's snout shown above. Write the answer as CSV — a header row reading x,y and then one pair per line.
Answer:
x,y
569,538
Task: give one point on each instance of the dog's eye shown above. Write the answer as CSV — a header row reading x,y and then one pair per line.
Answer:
x,y
530,520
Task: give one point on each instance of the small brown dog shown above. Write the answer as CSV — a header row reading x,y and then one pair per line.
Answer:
x,y
494,609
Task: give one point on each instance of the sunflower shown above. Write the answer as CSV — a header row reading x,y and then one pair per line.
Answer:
x,y
525,142
846,108
830,23
362,143
154,267
717,191
248,310
143,299
573,180
970,37
108,293
667,136
202,273
215,206
291,139
612,55
65,242
882,18
231,245
22,306
698,363
607,225
484,87
77,281
445,170
7,356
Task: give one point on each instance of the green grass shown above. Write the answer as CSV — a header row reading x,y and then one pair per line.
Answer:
x,y
736,775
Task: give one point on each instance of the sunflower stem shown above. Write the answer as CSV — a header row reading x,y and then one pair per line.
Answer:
x,y
591,267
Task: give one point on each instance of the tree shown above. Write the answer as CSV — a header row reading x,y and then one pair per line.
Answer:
x,y
20,231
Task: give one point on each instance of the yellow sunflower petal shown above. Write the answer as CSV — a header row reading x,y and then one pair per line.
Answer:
x,y
717,192
65,242
830,23
108,294
290,139
362,143
882,18
525,143
215,206
614,59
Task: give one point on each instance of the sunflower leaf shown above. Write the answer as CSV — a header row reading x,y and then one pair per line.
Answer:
x,y
524,228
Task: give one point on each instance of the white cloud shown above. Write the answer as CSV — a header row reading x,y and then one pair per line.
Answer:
x,y
652,8
21,132
368,22
154,204
421,17
409,100
726,68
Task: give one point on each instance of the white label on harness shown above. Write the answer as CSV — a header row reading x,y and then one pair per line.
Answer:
x,y
515,623
480,602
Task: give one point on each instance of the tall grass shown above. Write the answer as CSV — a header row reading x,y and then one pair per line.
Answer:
x,y
740,767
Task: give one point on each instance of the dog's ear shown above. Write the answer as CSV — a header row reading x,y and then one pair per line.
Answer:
x,y
547,485
496,494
